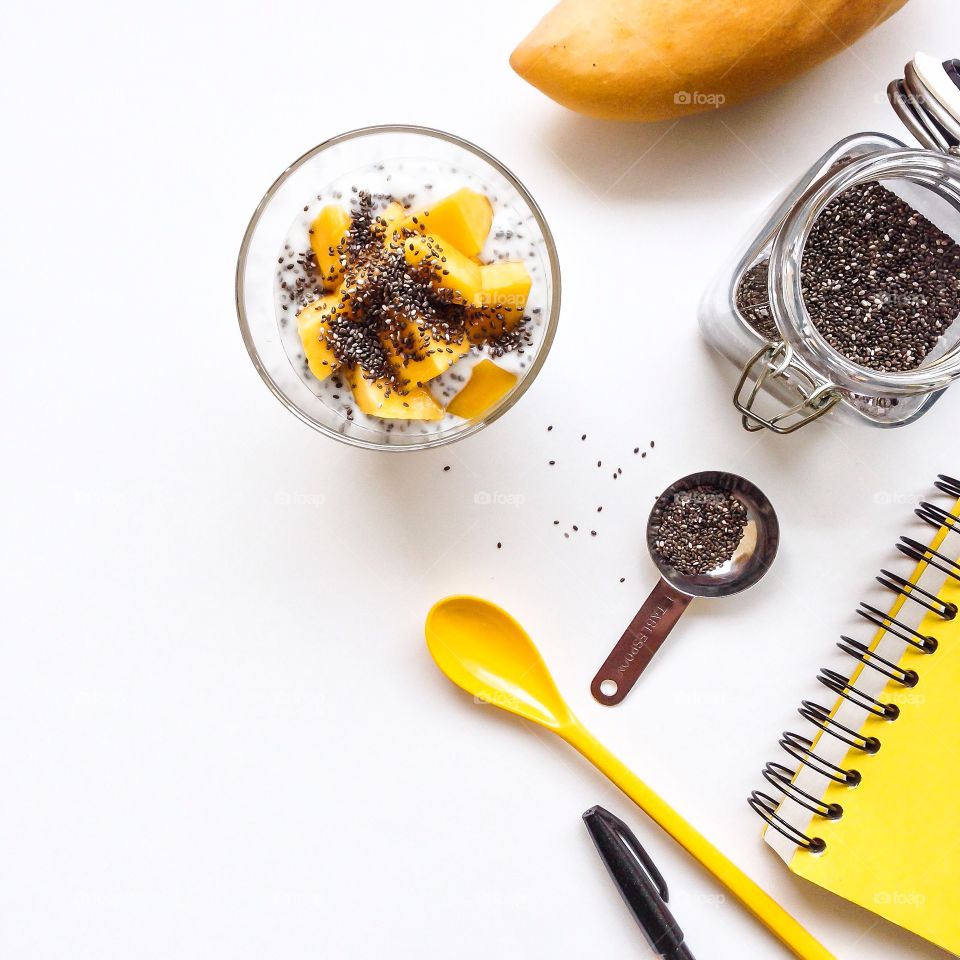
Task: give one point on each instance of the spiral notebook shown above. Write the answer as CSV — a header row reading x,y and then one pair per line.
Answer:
x,y
864,801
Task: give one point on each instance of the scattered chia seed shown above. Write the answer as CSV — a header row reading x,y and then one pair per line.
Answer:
x,y
382,294
445,469
593,533
499,545
753,301
699,529
623,579
584,437
880,281
553,463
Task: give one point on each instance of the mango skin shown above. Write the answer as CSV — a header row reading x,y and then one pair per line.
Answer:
x,y
635,59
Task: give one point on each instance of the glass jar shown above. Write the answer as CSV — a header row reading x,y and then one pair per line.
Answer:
x,y
756,314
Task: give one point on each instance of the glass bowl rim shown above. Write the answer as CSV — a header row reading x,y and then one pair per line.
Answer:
x,y
529,375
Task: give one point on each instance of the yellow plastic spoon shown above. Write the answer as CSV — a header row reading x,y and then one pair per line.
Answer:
x,y
482,649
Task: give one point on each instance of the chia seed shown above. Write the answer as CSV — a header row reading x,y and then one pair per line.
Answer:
x,y
880,281
698,530
753,301
382,294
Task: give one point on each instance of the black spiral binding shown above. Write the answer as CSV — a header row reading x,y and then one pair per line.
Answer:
x,y
800,748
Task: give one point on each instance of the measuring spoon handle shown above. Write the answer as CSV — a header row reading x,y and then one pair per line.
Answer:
x,y
640,641
751,895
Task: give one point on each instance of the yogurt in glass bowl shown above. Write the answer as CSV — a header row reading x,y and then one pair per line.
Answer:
x,y
388,179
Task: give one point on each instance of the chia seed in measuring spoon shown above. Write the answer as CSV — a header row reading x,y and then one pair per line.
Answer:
x,y
710,534
698,530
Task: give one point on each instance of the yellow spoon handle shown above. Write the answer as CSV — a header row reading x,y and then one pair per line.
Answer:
x,y
753,897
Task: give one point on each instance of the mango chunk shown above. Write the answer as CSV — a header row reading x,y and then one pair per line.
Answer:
x,y
487,384
393,212
419,356
504,289
505,283
328,233
451,269
312,323
463,219
377,399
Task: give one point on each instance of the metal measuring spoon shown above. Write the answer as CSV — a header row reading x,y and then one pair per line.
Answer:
x,y
669,598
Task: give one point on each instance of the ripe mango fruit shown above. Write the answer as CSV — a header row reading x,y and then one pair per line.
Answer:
x,y
504,289
657,59
487,384
312,327
376,399
392,215
419,356
505,283
452,269
328,233
463,219
392,212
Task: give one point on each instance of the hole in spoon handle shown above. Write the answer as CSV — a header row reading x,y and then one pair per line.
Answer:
x,y
640,641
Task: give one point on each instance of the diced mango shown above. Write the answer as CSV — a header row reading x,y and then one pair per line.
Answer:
x,y
463,219
505,283
312,323
451,269
419,356
504,289
328,233
377,399
393,213
487,384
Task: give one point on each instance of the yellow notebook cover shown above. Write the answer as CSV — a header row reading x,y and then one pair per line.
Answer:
x,y
895,850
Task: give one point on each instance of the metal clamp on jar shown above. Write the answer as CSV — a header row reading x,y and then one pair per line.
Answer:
x,y
854,331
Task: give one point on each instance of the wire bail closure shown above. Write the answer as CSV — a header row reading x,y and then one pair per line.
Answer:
x,y
773,361
926,105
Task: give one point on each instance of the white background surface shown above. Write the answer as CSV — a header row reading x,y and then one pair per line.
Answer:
x,y
220,732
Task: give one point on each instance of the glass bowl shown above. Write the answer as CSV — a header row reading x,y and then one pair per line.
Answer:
x,y
421,165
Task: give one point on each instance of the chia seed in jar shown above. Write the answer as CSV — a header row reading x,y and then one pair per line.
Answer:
x,y
880,281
